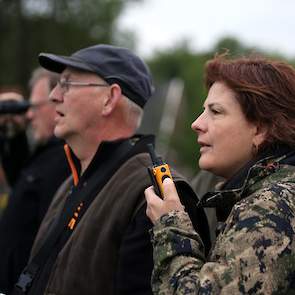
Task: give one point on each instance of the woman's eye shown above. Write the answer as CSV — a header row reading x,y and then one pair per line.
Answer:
x,y
214,111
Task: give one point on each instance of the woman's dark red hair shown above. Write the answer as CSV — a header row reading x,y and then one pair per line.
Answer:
x,y
265,90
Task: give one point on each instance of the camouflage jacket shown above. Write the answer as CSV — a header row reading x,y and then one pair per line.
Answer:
x,y
253,254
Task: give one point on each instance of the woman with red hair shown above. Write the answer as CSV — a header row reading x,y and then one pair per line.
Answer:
x,y
246,134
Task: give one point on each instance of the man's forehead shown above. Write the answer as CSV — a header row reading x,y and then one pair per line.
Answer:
x,y
72,72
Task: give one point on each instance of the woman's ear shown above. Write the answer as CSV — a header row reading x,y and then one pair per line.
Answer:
x,y
260,135
111,99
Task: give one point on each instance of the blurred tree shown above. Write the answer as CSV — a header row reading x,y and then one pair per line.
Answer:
x,y
234,46
184,63
28,27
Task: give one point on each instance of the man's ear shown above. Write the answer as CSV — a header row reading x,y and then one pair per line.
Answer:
x,y
111,99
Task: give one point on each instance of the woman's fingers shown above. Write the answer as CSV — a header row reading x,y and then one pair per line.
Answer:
x,y
154,204
169,189
151,197
171,198
156,207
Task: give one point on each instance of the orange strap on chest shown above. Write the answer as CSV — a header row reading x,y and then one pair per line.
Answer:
x,y
72,165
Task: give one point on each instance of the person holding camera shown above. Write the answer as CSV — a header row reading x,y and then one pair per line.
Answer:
x,y
33,174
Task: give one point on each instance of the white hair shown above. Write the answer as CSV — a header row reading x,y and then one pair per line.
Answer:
x,y
132,113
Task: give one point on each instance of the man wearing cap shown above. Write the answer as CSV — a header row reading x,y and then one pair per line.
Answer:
x,y
94,238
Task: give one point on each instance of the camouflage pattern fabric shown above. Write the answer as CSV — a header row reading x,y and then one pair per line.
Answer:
x,y
254,253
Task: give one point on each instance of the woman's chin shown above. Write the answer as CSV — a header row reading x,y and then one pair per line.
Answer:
x,y
208,166
204,163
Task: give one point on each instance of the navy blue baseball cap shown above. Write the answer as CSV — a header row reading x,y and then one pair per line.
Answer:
x,y
113,64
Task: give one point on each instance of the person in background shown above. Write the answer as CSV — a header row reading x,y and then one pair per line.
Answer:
x,y
33,175
14,147
247,135
98,241
9,125
4,191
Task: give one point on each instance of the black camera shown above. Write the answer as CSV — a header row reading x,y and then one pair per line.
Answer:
x,y
11,106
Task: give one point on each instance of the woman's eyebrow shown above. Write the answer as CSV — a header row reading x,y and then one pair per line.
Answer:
x,y
214,104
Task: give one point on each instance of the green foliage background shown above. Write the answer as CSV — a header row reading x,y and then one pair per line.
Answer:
x,y
28,27
182,62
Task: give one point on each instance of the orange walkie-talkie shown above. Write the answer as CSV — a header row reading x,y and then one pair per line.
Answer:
x,y
158,172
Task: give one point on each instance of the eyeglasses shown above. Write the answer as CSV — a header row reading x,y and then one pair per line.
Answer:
x,y
65,84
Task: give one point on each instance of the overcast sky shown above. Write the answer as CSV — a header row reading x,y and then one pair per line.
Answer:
x,y
268,24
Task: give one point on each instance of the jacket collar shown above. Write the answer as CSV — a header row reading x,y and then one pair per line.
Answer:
x,y
241,184
104,152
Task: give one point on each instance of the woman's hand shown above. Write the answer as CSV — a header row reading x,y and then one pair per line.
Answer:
x,y
156,207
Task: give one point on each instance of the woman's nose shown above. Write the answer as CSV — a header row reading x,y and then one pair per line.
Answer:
x,y
198,125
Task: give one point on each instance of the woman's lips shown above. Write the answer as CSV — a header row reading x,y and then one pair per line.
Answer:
x,y
204,146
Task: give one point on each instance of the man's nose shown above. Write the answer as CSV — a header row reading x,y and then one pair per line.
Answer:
x,y
56,94
30,114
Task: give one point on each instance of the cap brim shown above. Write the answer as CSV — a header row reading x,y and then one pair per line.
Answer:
x,y
57,63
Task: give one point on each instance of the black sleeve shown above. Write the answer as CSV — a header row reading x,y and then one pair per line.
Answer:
x,y
135,266
14,154
28,202
18,227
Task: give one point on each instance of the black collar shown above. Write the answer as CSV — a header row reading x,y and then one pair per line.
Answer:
x,y
106,150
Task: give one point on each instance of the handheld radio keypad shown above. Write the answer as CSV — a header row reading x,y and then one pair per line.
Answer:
x,y
158,172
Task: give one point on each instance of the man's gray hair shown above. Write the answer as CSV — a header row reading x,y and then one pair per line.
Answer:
x,y
133,113
40,73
